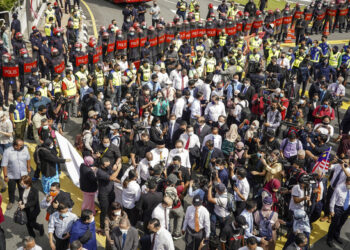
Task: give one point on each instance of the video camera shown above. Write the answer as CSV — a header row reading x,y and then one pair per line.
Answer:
x,y
308,179
335,101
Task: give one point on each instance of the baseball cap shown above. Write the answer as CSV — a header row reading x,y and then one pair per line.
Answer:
x,y
92,113
197,201
220,187
114,126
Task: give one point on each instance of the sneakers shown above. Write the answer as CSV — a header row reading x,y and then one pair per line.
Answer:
x,y
9,206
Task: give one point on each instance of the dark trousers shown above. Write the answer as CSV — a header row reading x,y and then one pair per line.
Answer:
x,y
132,215
7,86
193,238
215,218
328,200
240,206
338,221
31,225
77,2
12,189
316,211
61,244
105,201
2,239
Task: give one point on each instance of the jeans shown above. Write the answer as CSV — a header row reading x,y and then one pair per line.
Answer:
x,y
12,189
213,219
117,95
176,216
3,147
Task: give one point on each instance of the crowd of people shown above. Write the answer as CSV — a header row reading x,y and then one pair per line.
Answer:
x,y
224,141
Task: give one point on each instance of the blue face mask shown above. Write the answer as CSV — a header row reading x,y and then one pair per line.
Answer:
x,y
217,167
64,215
258,155
325,106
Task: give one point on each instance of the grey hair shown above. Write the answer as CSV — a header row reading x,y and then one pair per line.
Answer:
x,y
301,152
26,240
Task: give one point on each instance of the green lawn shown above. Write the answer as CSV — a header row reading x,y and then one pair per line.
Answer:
x,y
6,4
271,4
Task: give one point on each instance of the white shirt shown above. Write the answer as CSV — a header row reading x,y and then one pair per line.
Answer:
x,y
246,248
194,140
179,107
338,170
123,65
131,195
196,109
217,140
177,78
36,247
213,111
243,187
142,169
297,192
250,220
217,92
338,197
156,155
163,240
286,63
184,155
203,218
238,109
162,215
163,78
206,90
60,227
169,93
337,89
220,207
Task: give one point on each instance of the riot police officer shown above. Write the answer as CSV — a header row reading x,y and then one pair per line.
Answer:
x,y
44,58
25,64
57,41
70,35
9,73
18,44
104,43
78,57
57,64
33,79
133,45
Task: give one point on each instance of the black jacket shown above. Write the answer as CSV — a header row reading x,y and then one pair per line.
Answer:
x,y
217,153
32,207
88,180
62,197
48,160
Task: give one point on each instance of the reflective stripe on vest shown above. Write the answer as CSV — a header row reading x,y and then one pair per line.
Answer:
x,y
47,29
57,87
76,23
19,113
333,59
211,62
146,74
117,78
99,79
71,87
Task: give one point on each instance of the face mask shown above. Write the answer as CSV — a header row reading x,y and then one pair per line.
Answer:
x,y
325,106
158,125
159,96
258,155
256,38
64,215
59,34
179,150
119,212
132,33
77,50
25,55
217,167
146,115
281,95
301,101
221,123
123,231
101,97
46,127
6,60
190,133
325,123
171,121
106,145
23,186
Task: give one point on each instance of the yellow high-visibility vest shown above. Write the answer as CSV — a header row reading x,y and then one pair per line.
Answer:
x,y
76,23
334,59
71,87
48,14
146,74
117,78
99,78
47,29
57,87
211,63
222,40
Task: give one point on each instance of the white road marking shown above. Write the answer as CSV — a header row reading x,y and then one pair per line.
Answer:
x,y
170,2
174,11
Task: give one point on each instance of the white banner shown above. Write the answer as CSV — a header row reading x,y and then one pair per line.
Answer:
x,y
69,152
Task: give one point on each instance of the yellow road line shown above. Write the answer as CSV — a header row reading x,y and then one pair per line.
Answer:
x,y
329,41
92,18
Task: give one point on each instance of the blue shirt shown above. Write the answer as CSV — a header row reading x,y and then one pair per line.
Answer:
x,y
250,220
79,228
223,176
153,86
35,103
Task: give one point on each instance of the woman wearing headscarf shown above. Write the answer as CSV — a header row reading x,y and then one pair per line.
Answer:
x,y
49,162
231,137
251,136
270,189
266,214
88,183
239,155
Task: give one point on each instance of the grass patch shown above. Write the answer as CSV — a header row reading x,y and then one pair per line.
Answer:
x,y
6,5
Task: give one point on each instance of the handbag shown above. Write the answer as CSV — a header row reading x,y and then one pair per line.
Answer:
x,y
20,217
86,236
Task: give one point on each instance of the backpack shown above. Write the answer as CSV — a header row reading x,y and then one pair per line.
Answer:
x,y
265,227
78,142
171,192
36,155
286,143
231,203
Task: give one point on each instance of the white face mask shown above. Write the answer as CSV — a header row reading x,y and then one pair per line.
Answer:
x,y
172,121
123,231
180,150
221,123
119,212
190,133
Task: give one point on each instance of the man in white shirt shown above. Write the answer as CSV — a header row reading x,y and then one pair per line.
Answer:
x,y
180,151
176,77
221,211
28,243
337,88
190,139
143,168
180,105
214,110
163,77
206,89
241,187
340,211
196,108
298,198
160,154
283,62
160,237
168,91
215,137
161,212
252,244
196,224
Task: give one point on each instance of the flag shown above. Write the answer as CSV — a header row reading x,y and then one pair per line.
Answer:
x,y
323,161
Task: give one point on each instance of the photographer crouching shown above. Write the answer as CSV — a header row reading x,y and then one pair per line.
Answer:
x,y
57,113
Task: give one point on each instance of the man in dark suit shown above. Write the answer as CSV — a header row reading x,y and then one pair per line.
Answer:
x,y
324,93
293,88
210,154
247,91
172,127
149,201
345,123
56,197
125,236
221,124
202,129
179,132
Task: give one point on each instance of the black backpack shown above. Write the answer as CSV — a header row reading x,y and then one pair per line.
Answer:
x,y
36,155
245,113
265,227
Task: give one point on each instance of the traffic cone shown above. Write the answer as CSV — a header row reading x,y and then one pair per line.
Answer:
x,y
326,29
289,37
292,29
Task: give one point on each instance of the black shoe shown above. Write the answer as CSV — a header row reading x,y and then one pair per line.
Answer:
x,y
41,230
177,236
330,243
338,240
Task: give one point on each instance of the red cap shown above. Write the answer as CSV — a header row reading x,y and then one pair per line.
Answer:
x,y
34,28
210,5
136,25
19,35
54,51
258,12
55,31
131,29
92,43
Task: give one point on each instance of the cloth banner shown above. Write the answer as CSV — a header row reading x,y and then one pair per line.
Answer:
x,y
69,152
